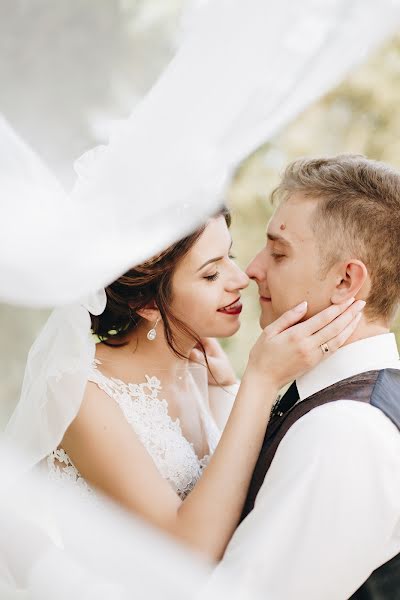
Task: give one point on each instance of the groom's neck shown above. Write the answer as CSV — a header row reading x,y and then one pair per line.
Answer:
x,y
366,329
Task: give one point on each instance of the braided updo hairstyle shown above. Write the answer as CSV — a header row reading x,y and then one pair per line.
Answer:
x,y
148,285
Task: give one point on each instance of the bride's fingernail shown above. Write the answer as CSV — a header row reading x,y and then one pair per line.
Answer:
x,y
300,307
360,304
349,301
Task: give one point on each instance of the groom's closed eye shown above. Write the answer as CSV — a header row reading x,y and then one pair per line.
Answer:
x,y
277,256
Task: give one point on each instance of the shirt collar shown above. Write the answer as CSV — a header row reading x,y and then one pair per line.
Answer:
x,y
370,354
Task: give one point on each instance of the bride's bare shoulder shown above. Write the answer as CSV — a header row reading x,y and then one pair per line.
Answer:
x,y
116,362
108,354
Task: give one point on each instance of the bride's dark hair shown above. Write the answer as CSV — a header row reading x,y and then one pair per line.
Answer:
x,y
148,285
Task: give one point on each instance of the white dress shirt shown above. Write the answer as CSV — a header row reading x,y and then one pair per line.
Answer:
x,y
328,512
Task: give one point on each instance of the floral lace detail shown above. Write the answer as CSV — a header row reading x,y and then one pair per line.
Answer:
x,y
66,474
172,453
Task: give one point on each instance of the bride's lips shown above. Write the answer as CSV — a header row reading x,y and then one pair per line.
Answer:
x,y
264,299
234,308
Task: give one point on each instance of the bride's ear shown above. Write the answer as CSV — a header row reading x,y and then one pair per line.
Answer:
x,y
351,280
150,314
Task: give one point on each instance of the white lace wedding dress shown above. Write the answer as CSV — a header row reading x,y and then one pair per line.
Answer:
x,y
147,413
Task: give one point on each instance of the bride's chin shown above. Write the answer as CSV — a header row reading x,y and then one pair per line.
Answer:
x,y
229,331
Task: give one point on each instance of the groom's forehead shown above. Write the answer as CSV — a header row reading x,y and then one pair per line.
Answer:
x,y
291,223
274,236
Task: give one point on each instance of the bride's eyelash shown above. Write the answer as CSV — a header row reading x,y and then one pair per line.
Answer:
x,y
215,276
212,277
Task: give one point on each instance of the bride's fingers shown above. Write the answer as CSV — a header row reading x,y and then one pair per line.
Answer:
x,y
212,347
209,344
341,322
197,356
338,341
289,318
323,318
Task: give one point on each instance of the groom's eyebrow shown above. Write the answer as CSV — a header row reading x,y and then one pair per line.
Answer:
x,y
216,259
275,237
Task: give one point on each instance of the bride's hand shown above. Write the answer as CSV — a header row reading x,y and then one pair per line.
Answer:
x,y
222,372
286,350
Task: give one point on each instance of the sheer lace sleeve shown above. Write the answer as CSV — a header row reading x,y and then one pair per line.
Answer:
x,y
221,400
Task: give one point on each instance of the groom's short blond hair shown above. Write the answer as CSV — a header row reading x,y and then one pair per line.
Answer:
x,y
357,216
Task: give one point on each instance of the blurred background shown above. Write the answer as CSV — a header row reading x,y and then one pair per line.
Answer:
x,y
68,68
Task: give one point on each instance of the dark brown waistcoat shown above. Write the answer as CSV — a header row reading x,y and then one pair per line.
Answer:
x,y
378,388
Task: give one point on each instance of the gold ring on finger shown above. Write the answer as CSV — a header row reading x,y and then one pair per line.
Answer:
x,y
324,349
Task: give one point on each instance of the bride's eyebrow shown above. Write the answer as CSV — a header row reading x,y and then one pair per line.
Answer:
x,y
216,259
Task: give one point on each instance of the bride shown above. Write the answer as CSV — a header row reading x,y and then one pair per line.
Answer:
x,y
146,428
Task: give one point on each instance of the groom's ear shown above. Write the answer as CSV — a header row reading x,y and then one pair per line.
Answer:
x,y
351,280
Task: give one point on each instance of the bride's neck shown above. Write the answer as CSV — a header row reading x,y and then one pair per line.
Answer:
x,y
157,352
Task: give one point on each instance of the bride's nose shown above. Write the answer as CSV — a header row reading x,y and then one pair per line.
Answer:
x,y
238,280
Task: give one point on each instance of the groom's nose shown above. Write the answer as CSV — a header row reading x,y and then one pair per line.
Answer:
x,y
256,269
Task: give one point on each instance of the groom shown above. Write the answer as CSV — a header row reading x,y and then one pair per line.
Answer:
x,y
322,516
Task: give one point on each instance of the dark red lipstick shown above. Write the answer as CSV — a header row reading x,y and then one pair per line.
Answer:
x,y
234,308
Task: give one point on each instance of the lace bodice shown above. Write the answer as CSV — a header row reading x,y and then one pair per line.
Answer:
x,y
147,413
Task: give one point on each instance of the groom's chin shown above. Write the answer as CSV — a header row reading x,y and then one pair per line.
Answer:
x,y
265,321
267,315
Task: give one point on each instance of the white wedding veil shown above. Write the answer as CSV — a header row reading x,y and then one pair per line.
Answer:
x,y
243,70
162,173
86,550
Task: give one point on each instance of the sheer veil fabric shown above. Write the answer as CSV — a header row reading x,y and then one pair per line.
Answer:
x,y
161,174
56,546
55,378
243,70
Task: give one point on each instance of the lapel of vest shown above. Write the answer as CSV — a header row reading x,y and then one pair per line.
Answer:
x,y
287,401
357,388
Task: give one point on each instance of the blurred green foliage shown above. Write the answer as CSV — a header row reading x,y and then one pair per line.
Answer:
x,y
361,116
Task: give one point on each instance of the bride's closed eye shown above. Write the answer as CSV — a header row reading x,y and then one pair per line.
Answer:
x,y
216,275
212,277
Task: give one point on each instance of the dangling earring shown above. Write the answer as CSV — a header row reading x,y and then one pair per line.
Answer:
x,y
152,334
